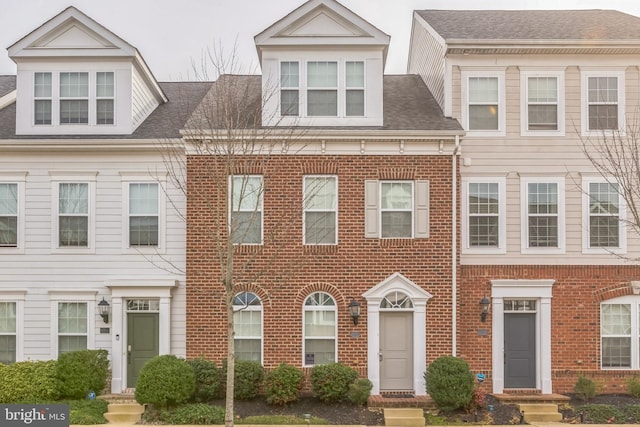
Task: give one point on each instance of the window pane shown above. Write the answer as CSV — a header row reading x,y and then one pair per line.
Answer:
x,y
603,117
289,103
104,84
483,117
74,111
74,85
543,117
483,231
248,349
289,74
320,228
483,198
104,111
247,323
319,352
483,90
7,349
355,102
616,319
396,195
322,74
246,299
247,227
320,193
604,232
616,352
354,74
71,343
42,85
320,323
8,214
74,231
143,231
397,224
603,198
42,112
543,89
7,317
247,193
143,198
603,89
322,103
72,317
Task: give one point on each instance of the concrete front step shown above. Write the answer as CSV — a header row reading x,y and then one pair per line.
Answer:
x,y
124,413
540,412
404,417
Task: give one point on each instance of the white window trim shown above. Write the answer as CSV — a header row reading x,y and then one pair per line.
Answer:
x,y
305,199
306,308
291,88
502,216
524,104
41,98
412,210
58,178
524,210
622,216
585,73
85,296
259,308
142,178
635,331
500,75
261,207
17,296
18,178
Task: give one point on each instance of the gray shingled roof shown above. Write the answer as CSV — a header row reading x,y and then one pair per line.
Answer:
x,y
605,25
408,105
165,121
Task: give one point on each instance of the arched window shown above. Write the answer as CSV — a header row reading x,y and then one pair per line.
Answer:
x,y
320,330
396,300
247,322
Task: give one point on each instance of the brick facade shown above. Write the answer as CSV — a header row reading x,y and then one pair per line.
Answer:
x,y
575,315
287,272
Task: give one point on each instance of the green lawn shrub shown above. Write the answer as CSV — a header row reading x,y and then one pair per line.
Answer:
x,y
330,382
359,391
601,414
585,388
28,382
281,385
87,412
194,413
208,380
248,378
450,383
165,381
79,372
633,386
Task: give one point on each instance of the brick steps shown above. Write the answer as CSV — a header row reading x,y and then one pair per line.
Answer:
x,y
404,417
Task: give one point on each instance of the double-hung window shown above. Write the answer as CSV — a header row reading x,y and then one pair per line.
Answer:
x,y
322,88
72,326
483,102
543,214
8,331
354,80
8,214
603,101
604,213
73,214
74,98
620,333
42,93
245,225
105,98
144,216
484,218
542,102
320,210
290,88
320,329
247,322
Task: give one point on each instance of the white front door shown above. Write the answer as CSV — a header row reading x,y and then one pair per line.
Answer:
x,y
396,351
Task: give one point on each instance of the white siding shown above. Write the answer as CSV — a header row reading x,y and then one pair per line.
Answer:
x,y
142,100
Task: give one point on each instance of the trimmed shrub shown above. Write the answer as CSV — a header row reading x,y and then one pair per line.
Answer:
x,y
195,413
165,381
601,414
248,377
450,383
79,372
87,411
585,388
208,381
359,391
633,413
281,385
28,382
330,383
633,386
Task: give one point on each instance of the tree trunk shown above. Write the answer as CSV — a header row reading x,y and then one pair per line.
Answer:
x,y
229,417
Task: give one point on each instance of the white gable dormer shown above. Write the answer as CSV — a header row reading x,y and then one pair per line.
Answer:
x,y
322,65
75,77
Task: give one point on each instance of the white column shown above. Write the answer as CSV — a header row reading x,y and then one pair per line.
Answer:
x,y
419,346
373,338
165,326
545,345
497,346
118,354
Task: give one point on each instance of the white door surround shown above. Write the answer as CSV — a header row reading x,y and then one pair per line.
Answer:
x,y
374,296
541,291
122,290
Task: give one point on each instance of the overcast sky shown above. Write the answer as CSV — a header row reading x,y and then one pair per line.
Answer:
x,y
172,34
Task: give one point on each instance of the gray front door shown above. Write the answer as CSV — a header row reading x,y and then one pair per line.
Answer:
x,y
520,350
396,351
142,343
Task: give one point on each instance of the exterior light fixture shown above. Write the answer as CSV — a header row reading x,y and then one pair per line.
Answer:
x,y
104,309
484,308
354,310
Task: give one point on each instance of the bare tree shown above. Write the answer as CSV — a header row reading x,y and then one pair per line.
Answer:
x,y
615,154
223,166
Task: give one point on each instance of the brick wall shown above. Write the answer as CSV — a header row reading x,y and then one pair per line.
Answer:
x,y
283,272
575,318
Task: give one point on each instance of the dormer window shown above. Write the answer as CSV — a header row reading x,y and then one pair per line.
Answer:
x,y
74,98
290,93
322,85
355,88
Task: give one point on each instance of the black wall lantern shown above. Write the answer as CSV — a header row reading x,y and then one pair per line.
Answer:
x,y
354,310
484,308
104,309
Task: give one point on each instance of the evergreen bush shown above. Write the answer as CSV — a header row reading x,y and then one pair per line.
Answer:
x,y
450,383
359,391
28,382
633,386
248,378
281,385
195,413
165,381
585,388
79,372
208,380
330,383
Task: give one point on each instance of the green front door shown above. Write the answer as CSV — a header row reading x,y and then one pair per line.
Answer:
x,y
142,343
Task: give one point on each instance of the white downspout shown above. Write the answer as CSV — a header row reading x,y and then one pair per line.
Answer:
x,y
454,248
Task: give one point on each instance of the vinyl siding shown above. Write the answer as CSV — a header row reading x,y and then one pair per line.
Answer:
x,y
427,58
142,101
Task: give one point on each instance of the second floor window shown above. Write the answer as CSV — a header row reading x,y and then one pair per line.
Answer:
x,y
289,88
320,210
245,225
73,215
74,98
483,113
322,88
542,103
355,88
543,211
143,214
603,103
104,98
8,214
396,209
604,215
42,98
484,210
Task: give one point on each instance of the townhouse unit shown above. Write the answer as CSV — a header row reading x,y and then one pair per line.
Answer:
x,y
342,192
91,224
544,237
